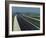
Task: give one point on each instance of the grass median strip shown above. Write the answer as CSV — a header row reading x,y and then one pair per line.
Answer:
x,y
32,18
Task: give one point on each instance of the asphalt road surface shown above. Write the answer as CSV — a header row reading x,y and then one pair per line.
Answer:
x,y
26,24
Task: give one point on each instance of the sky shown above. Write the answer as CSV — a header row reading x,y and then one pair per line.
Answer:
x,y
25,10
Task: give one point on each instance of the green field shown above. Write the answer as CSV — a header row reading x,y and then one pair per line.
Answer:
x,y
37,17
35,22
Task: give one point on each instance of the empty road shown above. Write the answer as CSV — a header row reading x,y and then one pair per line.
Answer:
x,y
26,24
